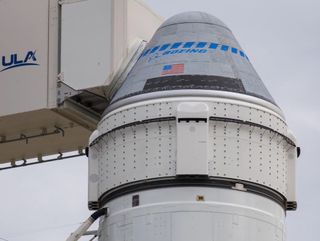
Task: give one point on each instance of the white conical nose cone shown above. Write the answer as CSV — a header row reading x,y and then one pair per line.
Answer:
x,y
193,50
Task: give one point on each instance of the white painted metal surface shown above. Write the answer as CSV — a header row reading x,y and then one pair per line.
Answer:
x,y
98,36
150,150
192,138
25,40
86,43
178,214
227,104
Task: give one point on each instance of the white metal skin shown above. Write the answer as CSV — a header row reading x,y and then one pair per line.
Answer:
x,y
192,140
193,213
115,28
113,164
21,45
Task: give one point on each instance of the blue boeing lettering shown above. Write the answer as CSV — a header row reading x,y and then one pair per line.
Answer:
x,y
191,47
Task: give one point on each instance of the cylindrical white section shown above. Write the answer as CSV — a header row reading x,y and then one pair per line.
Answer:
x,y
192,213
240,141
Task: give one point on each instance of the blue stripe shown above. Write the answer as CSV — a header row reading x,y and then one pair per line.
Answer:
x,y
234,50
164,47
176,45
213,46
201,44
154,49
188,45
224,47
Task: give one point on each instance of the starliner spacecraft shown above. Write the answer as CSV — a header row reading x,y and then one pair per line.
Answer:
x,y
192,145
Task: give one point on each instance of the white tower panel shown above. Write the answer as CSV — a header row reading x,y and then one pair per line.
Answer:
x,y
86,43
24,55
45,46
98,36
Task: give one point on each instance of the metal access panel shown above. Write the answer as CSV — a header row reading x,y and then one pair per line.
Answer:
x,y
192,138
98,38
86,42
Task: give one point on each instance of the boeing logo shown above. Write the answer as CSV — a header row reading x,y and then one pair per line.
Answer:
x,y
14,61
189,48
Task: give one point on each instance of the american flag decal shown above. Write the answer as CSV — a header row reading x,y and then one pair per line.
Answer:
x,y
173,69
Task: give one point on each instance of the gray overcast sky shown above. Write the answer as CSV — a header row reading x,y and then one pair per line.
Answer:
x,y
282,39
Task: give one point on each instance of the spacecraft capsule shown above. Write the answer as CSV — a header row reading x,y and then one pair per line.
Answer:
x,y
193,146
